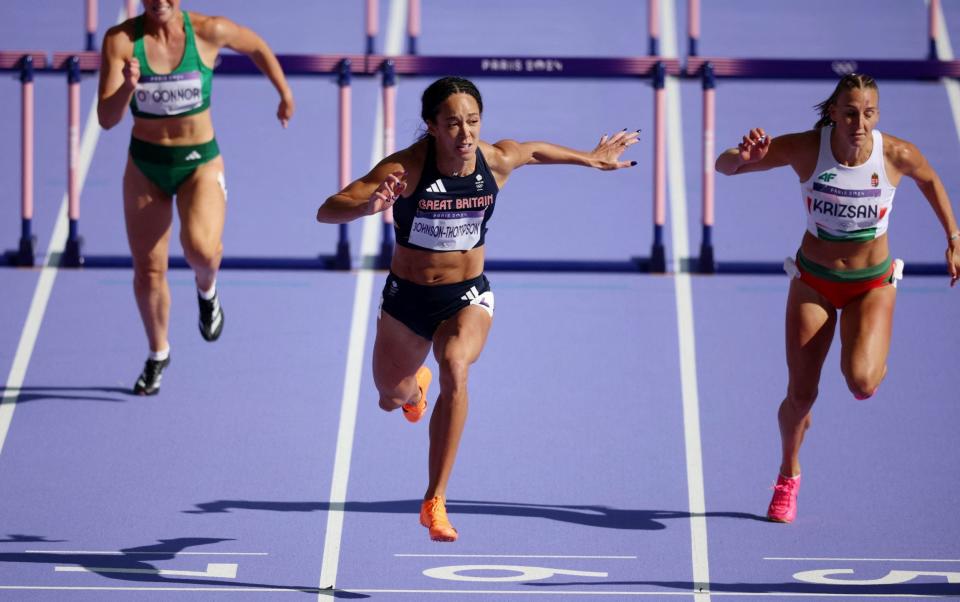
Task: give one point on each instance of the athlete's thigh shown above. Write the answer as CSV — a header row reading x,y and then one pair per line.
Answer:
x,y
148,215
202,204
397,352
866,325
462,336
810,324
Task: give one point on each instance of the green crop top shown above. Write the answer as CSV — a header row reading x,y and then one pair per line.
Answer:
x,y
184,91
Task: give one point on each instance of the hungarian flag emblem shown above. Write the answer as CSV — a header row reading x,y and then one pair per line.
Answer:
x,y
874,180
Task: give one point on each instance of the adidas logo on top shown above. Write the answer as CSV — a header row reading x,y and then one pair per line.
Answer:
x,y
437,186
193,156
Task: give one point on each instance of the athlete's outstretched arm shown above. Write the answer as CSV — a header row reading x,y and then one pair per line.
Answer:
x,y
759,151
911,162
375,192
511,154
225,33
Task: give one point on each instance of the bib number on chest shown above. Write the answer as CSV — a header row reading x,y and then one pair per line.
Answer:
x,y
452,231
170,94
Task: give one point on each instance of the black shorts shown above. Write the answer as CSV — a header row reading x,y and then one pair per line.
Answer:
x,y
423,308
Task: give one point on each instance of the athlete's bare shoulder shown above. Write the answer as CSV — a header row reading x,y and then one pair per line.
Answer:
x,y
119,39
411,157
213,29
500,154
896,149
409,160
202,23
801,142
902,155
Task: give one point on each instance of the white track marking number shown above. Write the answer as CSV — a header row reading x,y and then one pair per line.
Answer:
x,y
824,576
220,571
521,573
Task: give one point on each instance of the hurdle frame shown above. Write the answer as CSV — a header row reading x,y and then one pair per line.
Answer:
x,y
693,28
347,67
26,63
74,64
654,68
387,68
709,69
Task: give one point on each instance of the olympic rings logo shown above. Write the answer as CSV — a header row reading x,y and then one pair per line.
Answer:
x,y
844,67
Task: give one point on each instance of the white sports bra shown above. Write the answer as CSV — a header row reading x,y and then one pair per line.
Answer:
x,y
849,204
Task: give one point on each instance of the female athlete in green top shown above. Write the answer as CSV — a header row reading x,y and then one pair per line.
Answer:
x,y
158,64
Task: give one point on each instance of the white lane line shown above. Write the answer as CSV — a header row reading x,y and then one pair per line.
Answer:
x,y
815,559
219,571
945,52
512,556
48,274
119,553
358,335
685,329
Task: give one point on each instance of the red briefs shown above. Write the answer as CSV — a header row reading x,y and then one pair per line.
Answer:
x,y
842,287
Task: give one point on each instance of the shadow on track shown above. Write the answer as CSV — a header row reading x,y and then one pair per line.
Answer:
x,y
588,515
116,566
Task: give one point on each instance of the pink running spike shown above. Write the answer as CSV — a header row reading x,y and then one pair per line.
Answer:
x,y
783,506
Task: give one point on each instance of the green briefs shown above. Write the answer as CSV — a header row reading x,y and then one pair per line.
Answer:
x,y
169,166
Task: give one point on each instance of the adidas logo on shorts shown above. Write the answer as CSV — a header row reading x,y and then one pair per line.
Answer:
x,y
484,299
193,156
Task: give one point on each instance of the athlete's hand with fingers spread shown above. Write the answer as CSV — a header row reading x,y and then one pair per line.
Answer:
x,y
754,146
387,192
131,72
607,153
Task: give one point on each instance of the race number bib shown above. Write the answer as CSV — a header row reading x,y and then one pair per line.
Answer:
x,y
170,94
447,231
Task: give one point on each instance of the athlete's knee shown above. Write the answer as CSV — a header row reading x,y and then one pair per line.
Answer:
x,y
202,253
801,399
453,374
149,275
863,383
864,387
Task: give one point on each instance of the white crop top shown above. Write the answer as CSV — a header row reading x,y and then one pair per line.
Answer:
x,y
849,204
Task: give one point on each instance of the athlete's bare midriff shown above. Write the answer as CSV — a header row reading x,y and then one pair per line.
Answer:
x,y
845,255
175,131
431,268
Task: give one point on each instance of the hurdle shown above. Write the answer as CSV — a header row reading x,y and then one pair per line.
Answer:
x,y
693,27
91,21
74,65
654,68
342,258
413,25
345,68
414,15
372,22
389,92
709,70
26,63
934,26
